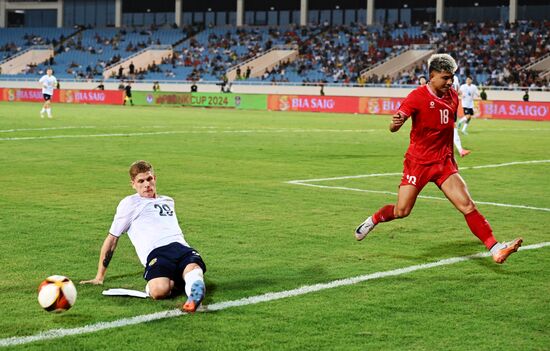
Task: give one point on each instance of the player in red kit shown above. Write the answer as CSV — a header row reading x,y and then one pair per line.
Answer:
x,y
429,158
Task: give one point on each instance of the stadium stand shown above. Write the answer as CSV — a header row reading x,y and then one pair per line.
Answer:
x,y
15,40
494,54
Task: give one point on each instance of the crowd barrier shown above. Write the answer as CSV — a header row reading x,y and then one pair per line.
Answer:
x,y
536,111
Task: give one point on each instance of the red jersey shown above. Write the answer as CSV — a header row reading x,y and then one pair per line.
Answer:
x,y
433,121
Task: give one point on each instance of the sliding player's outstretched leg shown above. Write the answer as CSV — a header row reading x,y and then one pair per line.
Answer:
x,y
194,287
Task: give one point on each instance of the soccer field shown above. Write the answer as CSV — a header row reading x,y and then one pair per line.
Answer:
x,y
271,200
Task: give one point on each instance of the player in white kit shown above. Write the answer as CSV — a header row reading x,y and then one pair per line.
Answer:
x,y
467,92
150,221
47,83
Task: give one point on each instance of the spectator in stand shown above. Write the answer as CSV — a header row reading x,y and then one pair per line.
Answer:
x,y
238,72
100,86
526,95
131,68
156,86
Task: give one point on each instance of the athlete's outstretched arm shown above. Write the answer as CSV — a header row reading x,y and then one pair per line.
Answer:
x,y
107,250
397,121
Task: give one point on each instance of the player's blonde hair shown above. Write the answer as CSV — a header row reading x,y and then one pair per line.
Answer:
x,y
442,63
138,167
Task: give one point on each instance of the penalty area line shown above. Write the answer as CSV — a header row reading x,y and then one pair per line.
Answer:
x,y
252,300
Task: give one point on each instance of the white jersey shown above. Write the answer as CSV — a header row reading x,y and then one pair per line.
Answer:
x,y
456,83
468,93
150,223
48,84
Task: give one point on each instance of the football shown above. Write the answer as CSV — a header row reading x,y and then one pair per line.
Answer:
x,y
56,293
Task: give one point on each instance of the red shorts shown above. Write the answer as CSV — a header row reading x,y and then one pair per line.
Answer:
x,y
419,175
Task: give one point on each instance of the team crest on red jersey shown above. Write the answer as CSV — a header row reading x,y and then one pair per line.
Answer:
x,y
432,104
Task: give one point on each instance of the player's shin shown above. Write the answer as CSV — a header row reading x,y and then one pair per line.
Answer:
x,y
481,228
192,277
385,214
195,290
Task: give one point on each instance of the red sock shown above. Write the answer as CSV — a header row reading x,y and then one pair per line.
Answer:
x,y
385,214
481,228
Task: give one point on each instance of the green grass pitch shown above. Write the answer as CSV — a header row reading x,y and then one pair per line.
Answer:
x,y
228,170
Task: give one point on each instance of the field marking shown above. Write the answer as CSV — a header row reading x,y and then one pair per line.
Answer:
x,y
252,300
513,130
244,131
307,182
45,128
496,165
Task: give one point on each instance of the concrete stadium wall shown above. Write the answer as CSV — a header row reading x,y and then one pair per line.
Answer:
x,y
18,63
280,89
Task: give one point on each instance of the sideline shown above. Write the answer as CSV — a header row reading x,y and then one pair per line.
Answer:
x,y
244,131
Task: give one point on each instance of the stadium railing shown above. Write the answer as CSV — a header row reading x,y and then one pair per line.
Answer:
x,y
275,47
34,47
151,47
540,59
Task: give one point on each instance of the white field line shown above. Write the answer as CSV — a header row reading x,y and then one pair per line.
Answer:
x,y
46,128
307,182
400,173
307,289
420,196
508,164
513,130
244,131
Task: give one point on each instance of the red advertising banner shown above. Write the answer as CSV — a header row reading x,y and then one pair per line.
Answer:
x,y
105,97
534,111
378,106
519,110
65,96
16,94
310,103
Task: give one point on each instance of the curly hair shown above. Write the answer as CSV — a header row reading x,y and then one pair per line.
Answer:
x,y
442,63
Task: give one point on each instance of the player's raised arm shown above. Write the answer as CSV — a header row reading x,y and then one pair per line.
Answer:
x,y
107,250
397,121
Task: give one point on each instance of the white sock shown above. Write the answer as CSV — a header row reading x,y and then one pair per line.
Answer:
x,y
43,110
49,111
497,247
191,277
456,139
465,126
462,120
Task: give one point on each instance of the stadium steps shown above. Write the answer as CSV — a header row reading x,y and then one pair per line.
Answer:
x,y
398,63
542,64
36,54
141,59
268,60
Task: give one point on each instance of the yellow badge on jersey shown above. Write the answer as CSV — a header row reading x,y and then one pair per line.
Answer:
x,y
152,262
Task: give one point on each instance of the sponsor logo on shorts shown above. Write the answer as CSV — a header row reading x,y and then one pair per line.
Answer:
x,y
152,262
